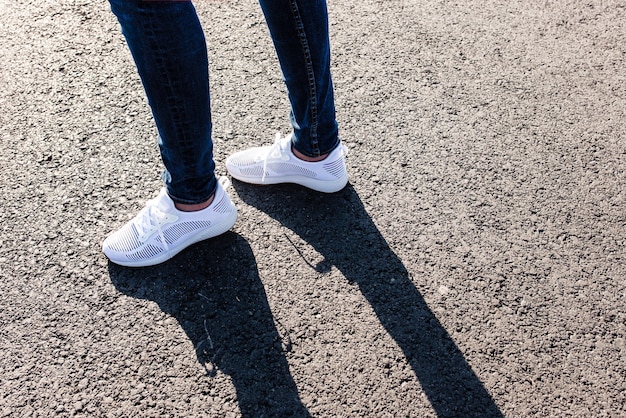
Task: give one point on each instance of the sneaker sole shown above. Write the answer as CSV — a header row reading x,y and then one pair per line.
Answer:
x,y
220,229
331,186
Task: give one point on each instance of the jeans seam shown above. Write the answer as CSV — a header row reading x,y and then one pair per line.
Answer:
x,y
310,75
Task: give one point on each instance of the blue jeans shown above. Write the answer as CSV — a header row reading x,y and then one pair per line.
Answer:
x,y
169,48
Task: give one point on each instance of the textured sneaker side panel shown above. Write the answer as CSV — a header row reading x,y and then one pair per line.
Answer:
x,y
336,168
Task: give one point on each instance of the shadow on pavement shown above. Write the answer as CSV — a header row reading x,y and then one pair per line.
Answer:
x,y
340,229
214,291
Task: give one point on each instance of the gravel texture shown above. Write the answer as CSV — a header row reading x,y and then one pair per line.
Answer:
x,y
475,266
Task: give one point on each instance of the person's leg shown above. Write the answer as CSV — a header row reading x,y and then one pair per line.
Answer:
x,y
312,155
169,49
299,30
168,46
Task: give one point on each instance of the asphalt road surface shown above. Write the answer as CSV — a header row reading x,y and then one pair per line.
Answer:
x,y
474,267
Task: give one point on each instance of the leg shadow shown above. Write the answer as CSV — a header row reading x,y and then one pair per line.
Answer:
x,y
214,291
340,229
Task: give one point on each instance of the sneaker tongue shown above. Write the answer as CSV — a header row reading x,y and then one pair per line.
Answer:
x,y
164,202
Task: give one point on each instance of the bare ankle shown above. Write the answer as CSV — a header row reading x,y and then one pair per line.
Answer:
x,y
184,207
303,157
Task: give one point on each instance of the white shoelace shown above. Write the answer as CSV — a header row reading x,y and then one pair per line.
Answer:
x,y
275,151
152,218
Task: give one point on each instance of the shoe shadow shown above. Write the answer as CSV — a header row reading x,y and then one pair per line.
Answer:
x,y
339,228
214,291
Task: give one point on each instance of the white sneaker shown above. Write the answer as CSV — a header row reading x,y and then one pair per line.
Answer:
x,y
277,164
160,231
